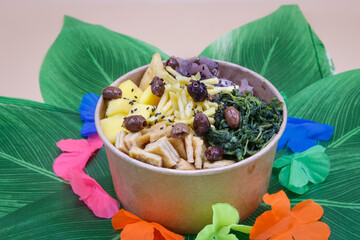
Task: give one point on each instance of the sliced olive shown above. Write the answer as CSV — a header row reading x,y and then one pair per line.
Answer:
x,y
111,92
180,130
214,153
197,90
201,124
157,86
172,62
135,123
232,117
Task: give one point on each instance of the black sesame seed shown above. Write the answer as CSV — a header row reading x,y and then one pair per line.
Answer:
x,y
161,128
147,108
132,90
162,117
135,97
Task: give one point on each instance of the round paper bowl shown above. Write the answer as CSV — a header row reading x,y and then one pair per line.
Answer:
x,y
181,200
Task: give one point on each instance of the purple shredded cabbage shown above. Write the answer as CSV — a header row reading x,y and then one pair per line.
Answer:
x,y
208,68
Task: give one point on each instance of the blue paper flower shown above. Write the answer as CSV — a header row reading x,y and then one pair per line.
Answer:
x,y
87,113
301,134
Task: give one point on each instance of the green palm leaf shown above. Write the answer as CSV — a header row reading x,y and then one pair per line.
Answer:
x,y
85,58
282,47
29,132
59,215
335,100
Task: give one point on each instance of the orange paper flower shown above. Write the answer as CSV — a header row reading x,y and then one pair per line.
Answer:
x,y
136,228
301,223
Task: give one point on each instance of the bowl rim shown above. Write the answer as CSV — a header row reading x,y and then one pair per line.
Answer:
x,y
198,172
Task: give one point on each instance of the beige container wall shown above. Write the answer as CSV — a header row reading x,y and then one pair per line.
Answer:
x,y
182,203
182,200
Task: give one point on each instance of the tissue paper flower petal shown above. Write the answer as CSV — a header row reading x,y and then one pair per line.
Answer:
x,y
67,161
310,231
307,211
225,218
299,169
284,236
206,233
280,204
224,215
92,194
141,230
302,134
136,228
87,107
88,128
79,152
72,145
168,235
284,179
87,113
300,223
122,218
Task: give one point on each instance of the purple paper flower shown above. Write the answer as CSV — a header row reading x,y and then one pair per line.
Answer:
x,y
302,134
87,112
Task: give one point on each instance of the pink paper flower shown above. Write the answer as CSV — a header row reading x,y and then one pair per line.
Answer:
x,y
92,194
70,166
77,154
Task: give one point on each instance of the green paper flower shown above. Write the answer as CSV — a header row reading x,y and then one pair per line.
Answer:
x,y
225,218
299,169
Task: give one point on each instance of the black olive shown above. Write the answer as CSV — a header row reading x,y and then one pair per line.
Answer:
x,y
215,72
157,86
111,92
197,90
213,154
201,124
135,123
179,130
232,117
172,62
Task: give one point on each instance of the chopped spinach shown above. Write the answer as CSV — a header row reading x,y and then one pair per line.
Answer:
x,y
258,125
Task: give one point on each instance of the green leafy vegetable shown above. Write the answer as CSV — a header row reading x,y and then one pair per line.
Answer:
x,y
259,123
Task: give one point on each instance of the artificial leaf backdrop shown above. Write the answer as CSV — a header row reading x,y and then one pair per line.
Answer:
x,y
282,47
85,58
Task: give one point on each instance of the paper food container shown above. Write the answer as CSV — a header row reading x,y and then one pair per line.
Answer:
x,y
181,200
